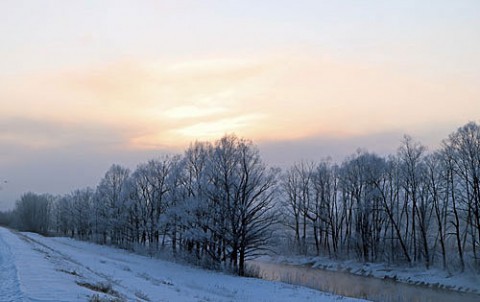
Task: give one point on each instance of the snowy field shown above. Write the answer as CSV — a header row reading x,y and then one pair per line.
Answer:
x,y
36,268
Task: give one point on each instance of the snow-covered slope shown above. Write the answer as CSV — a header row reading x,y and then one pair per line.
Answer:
x,y
36,268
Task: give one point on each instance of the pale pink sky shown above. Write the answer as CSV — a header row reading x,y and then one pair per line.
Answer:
x,y
87,83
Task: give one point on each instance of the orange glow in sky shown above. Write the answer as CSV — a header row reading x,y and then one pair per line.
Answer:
x,y
169,104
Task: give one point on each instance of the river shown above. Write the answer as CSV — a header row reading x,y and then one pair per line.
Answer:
x,y
350,285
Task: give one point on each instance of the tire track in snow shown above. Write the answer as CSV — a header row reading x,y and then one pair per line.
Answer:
x,y
9,286
66,262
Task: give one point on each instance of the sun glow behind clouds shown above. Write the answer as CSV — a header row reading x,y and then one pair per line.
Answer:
x,y
215,129
190,111
170,103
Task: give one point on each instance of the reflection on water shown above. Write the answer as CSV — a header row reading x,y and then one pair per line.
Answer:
x,y
350,285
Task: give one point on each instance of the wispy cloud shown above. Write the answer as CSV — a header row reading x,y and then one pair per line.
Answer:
x,y
281,97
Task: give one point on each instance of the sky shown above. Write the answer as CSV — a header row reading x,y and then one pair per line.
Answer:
x,y
85,84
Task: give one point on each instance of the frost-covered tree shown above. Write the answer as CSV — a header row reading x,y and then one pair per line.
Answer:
x,y
365,218
63,216
111,204
197,211
32,213
147,191
462,152
82,201
240,188
72,214
438,197
411,155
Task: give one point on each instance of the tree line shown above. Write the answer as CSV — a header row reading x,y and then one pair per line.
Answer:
x,y
221,204
412,207
214,202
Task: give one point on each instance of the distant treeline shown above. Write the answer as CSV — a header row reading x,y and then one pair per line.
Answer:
x,y
219,203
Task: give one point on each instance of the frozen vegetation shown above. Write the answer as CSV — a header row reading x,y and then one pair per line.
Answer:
x,y
37,268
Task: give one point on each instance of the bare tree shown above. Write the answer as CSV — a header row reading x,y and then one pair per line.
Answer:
x,y
411,156
439,199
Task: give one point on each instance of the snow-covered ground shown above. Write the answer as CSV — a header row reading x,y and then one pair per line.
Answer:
x,y
36,268
464,282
